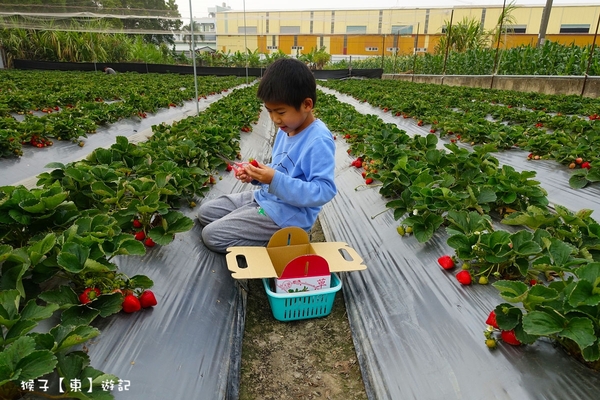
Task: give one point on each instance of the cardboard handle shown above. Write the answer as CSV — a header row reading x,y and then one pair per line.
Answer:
x,y
254,268
333,252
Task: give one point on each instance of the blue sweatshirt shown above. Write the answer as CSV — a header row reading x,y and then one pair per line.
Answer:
x,y
304,177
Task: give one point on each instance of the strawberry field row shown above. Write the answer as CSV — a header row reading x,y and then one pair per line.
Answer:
x,y
71,105
534,122
546,266
59,240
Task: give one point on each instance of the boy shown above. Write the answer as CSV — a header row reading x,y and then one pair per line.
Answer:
x,y
295,185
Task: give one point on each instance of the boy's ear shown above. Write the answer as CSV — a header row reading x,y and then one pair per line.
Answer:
x,y
308,104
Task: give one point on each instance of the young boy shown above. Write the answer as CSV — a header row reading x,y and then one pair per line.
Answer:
x,y
295,185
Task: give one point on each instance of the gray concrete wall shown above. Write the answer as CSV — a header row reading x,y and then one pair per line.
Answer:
x,y
569,85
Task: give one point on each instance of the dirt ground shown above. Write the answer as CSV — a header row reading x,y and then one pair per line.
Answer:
x,y
297,360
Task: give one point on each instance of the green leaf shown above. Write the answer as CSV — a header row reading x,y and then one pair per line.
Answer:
x,y
583,295
578,181
560,252
131,247
78,315
507,316
593,175
41,247
63,296
55,165
36,364
68,336
591,353
543,323
73,256
581,331
108,304
20,328
590,273
36,312
72,364
486,195
512,291
19,349
459,242
141,281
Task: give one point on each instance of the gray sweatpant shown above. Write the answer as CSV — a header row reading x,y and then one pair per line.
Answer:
x,y
234,220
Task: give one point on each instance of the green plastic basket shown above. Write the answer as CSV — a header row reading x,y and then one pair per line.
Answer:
x,y
302,305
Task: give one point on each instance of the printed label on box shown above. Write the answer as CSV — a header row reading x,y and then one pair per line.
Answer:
x,y
305,284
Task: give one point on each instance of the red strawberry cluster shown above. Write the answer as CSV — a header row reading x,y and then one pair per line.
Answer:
x,y
141,234
594,117
39,142
507,336
133,303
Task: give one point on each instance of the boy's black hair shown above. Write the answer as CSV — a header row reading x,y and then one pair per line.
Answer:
x,y
288,81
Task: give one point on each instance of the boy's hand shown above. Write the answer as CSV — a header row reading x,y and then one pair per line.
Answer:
x,y
262,173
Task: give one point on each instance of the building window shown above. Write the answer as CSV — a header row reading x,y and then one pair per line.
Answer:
x,y
356,29
392,49
289,29
371,48
271,47
312,15
332,21
515,29
426,22
575,28
250,30
297,47
402,29
267,27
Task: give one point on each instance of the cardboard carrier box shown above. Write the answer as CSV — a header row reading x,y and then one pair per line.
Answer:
x,y
303,274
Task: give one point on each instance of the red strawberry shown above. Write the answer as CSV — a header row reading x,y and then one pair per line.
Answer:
x,y
509,337
464,277
137,224
446,262
147,299
533,282
140,235
347,136
229,167
491,319
88,295
149,242
131,304
586,165
254,163
368,181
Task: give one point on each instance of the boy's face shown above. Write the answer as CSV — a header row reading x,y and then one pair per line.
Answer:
x,y
288,119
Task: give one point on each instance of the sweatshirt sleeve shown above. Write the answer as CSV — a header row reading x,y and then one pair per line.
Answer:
x,y
318,167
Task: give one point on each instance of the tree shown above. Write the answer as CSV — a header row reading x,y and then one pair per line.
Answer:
x,y
153,8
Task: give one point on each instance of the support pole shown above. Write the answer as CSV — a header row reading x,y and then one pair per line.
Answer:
x,y
498,47
415,55
193,60
447,46
544,23
587,69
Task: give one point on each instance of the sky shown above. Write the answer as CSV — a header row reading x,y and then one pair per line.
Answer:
x,y
200,7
